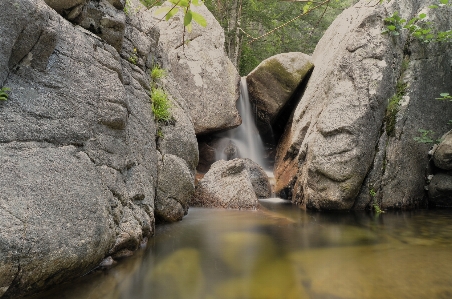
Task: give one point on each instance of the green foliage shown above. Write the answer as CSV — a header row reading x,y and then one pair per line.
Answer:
x,y
151,3
189,15
375,205
133,58
393,24
4,93
127,7
157,73
418,28
393,108
160,133
425,137
258,17
445,96
160,105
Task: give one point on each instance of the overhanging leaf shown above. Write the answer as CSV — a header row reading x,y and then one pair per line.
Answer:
x,y
187,18
199,19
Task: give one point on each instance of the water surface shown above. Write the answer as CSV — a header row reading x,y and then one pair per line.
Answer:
x,y
283,252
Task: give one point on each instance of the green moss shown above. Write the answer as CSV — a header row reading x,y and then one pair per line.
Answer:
x,y
160,105
291,80
157,73
4,93
393,108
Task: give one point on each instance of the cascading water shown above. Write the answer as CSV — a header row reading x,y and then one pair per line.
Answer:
x,y
243,141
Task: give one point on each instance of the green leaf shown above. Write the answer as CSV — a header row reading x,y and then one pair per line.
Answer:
x,y
199,19
444,1
162,10
189,28
433,6
445,94
182,3
187,18
422,16
171,13
391,27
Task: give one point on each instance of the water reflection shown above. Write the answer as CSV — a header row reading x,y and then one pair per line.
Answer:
x,y
284,252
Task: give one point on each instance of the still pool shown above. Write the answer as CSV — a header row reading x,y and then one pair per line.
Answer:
x,y
282,251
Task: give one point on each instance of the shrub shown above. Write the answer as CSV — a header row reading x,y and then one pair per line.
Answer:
x,y
160,105
157,73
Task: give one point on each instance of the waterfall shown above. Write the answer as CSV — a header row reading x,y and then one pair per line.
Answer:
x,y
243,141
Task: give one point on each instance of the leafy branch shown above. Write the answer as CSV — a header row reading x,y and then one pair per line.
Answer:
x,y
423,31
307,8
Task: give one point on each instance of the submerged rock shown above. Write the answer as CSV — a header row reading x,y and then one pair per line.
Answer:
x,y
272,83
343,142
234,184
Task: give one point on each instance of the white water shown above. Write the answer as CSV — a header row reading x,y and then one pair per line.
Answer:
x,y
246,136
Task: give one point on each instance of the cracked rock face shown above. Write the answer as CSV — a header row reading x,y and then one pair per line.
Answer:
x,y
337,147
78,159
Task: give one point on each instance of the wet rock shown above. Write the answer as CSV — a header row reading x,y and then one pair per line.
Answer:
x,y
263,283
440,190
226,185
272,82
258,178
442,156
168,280
242,251
212,149
175,189
231,151
334,138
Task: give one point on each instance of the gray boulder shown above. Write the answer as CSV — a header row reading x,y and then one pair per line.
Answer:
x,y
200,71
440,190
78,167
234,184
442,156
175,188
272,83
340,144
103,19
259,179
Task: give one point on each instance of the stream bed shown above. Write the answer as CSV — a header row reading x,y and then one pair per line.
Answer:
x,y
283,252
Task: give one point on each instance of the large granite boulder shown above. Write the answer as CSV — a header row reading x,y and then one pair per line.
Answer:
x,y
200,70
80,166
340,144
272,83
234,184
